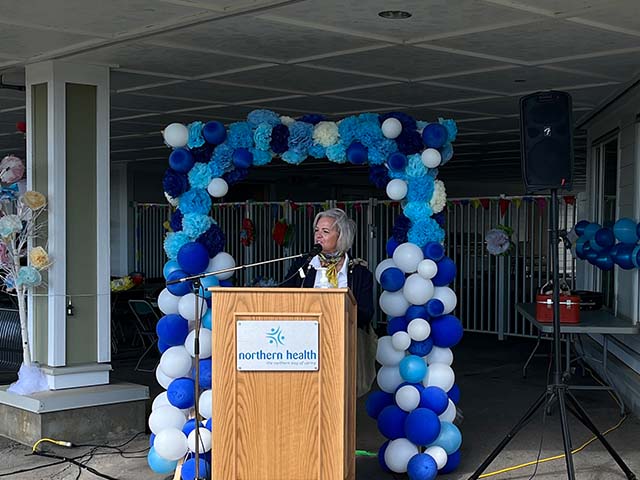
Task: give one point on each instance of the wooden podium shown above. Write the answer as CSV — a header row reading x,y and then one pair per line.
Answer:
x,y
284,425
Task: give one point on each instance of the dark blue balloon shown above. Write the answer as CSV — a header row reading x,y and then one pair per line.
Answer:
x,y
605,238
422,426
181,288
397,161
181,160
433,251
590,230
376,402
453,461
172,329
214,132
580,245
392,279
604,261
189,426
226,283
434,307
152,437
446,272
434,135
421,348
580,226
242,158
396,324
163,347
635,256
392,244
383,464
193,257
416,311
434,398
591,256
208,424
189,469
623,256
391,422
446,331
422,467
454,393
205,373
181,393
357,153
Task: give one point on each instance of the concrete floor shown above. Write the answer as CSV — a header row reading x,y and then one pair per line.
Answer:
x,y
494,397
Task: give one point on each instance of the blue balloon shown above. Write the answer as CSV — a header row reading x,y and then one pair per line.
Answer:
x,y
413,368
422,467
226,283
172,329
181,288
433,251
152,439
170,266
435,399
159,464
181,393
434,307
604,261
392,279
446,331
604,238
397,161
625,231
591,230
163,347
205,373
454,393
208,424
396,324
392,244
591,256
580,246
416,311
193,257
383,464
391,422
580,226
242,158
449,437
206,319
181,160
453,461
376,402
638,230
214,132
434,135
446,272
357,153
422,426
421,348
189,469
189,427
623,256
210,281
635,256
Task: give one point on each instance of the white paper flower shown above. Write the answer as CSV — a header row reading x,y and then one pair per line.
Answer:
x,y
439,198
287,120
172,201
326,134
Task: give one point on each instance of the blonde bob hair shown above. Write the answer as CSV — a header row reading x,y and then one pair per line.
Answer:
x,y
346,227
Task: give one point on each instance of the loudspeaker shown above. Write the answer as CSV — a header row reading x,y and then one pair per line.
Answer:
x,y
546,140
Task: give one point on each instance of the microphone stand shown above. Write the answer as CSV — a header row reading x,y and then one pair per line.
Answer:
x,y
196,285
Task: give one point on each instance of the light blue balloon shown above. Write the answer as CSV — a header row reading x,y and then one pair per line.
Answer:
x,y
413,368
206,320
591,230
449,439
159,464
170,266
211,281
625,231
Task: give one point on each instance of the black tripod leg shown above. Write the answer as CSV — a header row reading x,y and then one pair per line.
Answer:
x,y
575,408
509,436
566,434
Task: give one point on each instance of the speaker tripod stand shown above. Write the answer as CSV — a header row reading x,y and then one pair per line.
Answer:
x,y
558,389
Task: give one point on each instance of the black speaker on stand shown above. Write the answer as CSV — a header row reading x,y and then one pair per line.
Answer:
x,y
546,129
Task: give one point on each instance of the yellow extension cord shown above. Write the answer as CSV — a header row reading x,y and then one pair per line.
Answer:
x,y
50,440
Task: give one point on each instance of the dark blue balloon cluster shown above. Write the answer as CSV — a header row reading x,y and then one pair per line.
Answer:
x,y
609,245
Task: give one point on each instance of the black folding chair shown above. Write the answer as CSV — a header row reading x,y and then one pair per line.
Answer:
x,y
146,320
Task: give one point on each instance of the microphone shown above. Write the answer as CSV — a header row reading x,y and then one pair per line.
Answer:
x,y
315,250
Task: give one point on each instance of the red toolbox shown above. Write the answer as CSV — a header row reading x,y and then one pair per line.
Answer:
x,y
569,308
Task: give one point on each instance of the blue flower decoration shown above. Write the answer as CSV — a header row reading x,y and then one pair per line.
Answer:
x,y
261,157
221,160
196,200
240,135
410,142
28,277
256,117
300,137
452,129
195,135
381,151
293,157
440,218
174,183
401,228
213,240
176,220
173,242
262,136
313,118
446,153
348,129
200,175
10,224
317,151
378,175
424,231
420,189
416,211
279,139
195,224
337,153
202,154
415,167
236,175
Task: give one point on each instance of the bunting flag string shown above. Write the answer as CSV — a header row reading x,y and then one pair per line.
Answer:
x,y
486,203
542,204
341,206
294,206
358,207
504,206
569,199
517,202
310,211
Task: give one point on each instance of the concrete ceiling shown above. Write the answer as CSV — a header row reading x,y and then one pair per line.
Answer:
x,y
471,60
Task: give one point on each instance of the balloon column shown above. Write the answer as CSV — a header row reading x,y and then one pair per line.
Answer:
x,y
417,381
613,244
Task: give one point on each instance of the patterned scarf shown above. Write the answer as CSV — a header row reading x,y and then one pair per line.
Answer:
x,y
330,261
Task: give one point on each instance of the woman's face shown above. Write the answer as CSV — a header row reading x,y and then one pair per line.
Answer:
x,y
326,234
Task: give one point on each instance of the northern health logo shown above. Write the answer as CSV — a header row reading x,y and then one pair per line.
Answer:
x,y
275,336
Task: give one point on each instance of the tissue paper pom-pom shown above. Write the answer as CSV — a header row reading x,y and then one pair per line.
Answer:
x,y
434,135
260,157
401,228
268,117
28,277
416,211
175,222
439,218
33,200
38,257
172,201
202,154
300,137
12,169
378,176
452,129
196,200
10,224
379,154
415,167
408,123
312,118
369,134
348,128
262,136
279,139
240,135
286,120
317,151
200,175
174,183
195,224
173,242
195,135
420,189
424,231
221,159
337,153
293,157
213,240
326,134
439,198
409,142
236,175
446,153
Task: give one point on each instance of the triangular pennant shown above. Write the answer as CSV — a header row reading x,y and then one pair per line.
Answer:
x,y
294,206
486,203
457,202
342,206
310,210
517,201
504,205
464,201
357,207
569,199
475,203
325,206
542,204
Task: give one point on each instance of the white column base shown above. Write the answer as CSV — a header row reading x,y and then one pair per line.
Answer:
x,y
87,375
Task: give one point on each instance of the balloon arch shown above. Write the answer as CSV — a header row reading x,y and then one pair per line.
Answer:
x,y
415,405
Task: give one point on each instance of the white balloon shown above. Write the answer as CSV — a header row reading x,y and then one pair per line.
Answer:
x,y
401,341
407,256
382,266
205,404
165,417
163,379
168,302
408,398
449,415
440,355
389,378
205,440
417,290
205,343
393,303
218,187
439,375
419,329
170,444
427,268
398,454
160,401
220,262
438,454
386,354
187,306
176,362
447,297
176,135
397,189
431,158
391,128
